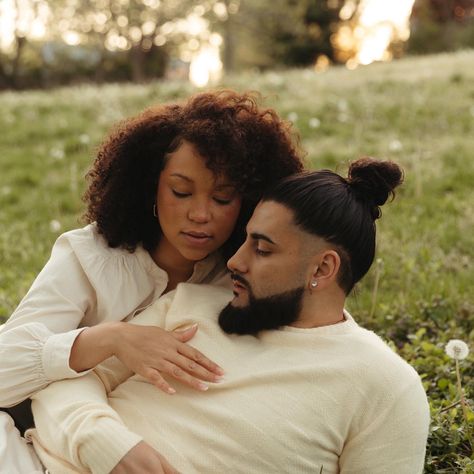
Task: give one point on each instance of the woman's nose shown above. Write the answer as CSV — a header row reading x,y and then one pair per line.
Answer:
x,y
199,211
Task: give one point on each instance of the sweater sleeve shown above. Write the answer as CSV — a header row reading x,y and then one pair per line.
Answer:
x,y
395,441
73,418
36,341
74,424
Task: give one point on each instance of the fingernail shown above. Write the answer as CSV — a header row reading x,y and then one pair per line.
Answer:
x,y
171,390
185,327
218,379
220,371
203,386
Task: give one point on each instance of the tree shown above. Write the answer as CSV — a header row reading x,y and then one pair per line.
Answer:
x,y
265,33
441,25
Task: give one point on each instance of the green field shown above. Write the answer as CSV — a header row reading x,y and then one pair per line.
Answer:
x,y
417,111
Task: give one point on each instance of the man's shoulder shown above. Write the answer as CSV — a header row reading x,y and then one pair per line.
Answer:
x,y
377,359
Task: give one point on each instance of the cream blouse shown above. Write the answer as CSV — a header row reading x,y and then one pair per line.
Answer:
x,y
84,283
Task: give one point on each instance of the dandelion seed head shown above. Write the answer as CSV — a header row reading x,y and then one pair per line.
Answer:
x,y
314,122
457,349
292,116
84,139
342,105
395,145
54,226
57,153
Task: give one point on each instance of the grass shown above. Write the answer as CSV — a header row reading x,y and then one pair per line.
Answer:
x,y
416,111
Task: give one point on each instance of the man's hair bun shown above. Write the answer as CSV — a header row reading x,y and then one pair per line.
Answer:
x,y
374,181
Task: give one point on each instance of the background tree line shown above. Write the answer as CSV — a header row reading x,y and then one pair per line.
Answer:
x,y
137,40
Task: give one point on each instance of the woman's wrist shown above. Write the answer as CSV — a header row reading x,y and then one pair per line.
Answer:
x,y
94,345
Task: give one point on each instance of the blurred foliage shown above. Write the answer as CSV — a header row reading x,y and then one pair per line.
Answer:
x,y
134,39
281,32
113,40
441,25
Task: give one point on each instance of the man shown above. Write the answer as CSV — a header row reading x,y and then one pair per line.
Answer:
x,y
305,390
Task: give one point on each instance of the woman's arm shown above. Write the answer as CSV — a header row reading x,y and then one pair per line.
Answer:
x,y
35,342
85,281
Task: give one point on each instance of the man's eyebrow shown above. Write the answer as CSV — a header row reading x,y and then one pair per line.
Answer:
x,y
257,236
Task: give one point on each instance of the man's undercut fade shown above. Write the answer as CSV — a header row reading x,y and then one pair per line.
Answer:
x,y
341,211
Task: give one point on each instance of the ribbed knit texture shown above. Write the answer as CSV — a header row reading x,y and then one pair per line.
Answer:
x,y
293,400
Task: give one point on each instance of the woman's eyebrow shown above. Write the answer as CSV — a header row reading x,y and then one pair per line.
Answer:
x,y
182,176
224,186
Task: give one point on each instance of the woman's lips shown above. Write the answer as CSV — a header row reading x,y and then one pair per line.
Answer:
x,y
197,238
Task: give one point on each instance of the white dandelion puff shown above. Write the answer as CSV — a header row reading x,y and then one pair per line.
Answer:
x,y
342,105
57,153
314,122
54,225
292,116
395,145
457,349
84,139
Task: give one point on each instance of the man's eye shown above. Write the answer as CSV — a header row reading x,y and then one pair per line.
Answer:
x,y
180,195
262,253
222,202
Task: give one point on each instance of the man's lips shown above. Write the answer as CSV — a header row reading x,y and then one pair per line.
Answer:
x,y
239,284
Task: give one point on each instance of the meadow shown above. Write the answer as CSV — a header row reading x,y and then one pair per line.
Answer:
x,y
418,111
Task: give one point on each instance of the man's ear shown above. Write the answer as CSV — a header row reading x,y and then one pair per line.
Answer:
x,y
324,269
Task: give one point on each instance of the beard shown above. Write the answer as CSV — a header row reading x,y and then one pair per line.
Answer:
x,y
262,314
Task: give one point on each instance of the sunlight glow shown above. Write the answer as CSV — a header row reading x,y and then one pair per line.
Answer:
x,y
380,22
24,20
206,66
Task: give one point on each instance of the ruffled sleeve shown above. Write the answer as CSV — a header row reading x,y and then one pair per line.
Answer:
x,y
84,283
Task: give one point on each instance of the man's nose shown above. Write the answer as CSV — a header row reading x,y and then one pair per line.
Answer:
x,y
236,263
199,211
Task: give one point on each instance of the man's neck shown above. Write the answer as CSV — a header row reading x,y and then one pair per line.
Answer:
x,y
321,310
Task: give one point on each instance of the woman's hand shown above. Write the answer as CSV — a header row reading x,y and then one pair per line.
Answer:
x,y
148,351
143,459
151,351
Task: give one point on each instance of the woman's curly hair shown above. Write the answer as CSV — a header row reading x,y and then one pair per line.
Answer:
x,y
250,145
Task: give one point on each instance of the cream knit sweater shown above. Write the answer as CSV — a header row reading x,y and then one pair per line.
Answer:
x,y
334,399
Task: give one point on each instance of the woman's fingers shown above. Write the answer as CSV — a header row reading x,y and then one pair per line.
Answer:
x,y
153,353
194,369
179,374
184,335
155,378
200,359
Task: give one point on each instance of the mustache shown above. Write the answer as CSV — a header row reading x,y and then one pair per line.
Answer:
x,y
240,279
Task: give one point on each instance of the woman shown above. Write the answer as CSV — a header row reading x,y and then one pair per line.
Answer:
x,y
169,195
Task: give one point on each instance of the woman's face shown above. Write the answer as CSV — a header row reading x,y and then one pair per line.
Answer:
x,y
197,210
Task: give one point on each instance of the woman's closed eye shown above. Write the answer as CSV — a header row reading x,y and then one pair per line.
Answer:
x,y
262,253
222,201
180,194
